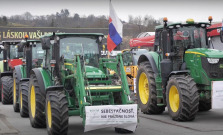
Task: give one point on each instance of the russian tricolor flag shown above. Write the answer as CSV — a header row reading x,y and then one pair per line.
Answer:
x,y
115,30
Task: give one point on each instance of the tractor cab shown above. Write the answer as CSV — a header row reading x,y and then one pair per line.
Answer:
x,y
11,55
63,52
33,55
180,37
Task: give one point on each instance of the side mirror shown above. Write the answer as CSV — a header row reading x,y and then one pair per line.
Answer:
x,y
100,38
221,36
45,43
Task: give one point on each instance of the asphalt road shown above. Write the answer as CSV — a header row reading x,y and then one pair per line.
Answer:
x,y
206,123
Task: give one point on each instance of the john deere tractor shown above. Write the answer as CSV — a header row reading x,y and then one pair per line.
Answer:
x,y
73,78
11,58
32,58
179,72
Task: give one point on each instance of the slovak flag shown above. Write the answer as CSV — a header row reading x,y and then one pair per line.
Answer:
x,y
115,30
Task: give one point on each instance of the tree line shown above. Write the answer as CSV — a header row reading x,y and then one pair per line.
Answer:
x,y
64,18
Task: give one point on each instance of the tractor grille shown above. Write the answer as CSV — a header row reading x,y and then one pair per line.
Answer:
x,y
213,70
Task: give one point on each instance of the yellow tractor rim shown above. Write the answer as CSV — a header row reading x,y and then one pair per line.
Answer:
x,y
21,99
143,88
14,92
49,114
33,101
174,98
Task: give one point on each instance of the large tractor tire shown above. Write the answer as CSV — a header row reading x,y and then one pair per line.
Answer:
x,y
16,80
205,105
57,113
182,98
146,90
36,103
23,99
6,95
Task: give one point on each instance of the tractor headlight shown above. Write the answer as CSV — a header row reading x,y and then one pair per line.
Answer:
x,y
213,60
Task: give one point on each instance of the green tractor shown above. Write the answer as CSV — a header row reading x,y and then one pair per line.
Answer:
x,y
33,56
11,58
179,72
72,79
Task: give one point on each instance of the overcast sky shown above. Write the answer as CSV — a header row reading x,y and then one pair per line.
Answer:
x,y
175,10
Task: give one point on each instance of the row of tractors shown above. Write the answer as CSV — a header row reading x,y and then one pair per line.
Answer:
x,y
61,74
58,76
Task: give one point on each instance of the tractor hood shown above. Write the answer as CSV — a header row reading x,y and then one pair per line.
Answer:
x,y
210,53
93,72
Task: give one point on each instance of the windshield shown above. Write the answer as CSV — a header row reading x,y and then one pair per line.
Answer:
x,y
190,37
85,46
14,54
37,51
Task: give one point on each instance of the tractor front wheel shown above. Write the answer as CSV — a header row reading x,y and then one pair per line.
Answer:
x,y
36,103
146,90
6,94
56,113
23,96
182,98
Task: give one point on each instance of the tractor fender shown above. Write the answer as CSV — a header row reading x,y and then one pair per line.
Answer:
x,y
7,73
179,72
18,72
149,57
41,77
54,88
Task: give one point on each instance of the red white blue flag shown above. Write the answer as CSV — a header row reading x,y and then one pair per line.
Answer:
x,y
115,30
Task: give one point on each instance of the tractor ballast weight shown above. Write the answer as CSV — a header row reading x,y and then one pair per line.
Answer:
x,y
32,58
179,72
74,77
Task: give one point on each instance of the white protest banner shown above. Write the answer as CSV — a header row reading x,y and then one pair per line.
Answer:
x,y
121,116
217,94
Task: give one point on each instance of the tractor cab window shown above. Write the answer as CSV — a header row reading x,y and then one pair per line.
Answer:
x,y
84,46
14,54
189,37
1,56
127,58
37,55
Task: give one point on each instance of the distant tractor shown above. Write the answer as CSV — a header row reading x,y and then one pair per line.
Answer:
x,y
11,58
130,60
179,72
72,78
33,56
